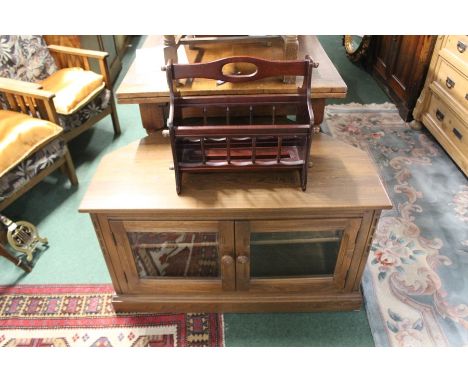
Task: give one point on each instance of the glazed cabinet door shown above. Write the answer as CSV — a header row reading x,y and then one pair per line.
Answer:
x,y
165,256
294,255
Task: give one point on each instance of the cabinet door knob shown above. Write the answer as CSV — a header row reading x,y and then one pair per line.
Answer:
x,y
461,46
449,83
440,116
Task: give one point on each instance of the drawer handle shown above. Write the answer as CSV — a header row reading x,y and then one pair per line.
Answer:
x,y
440,116
449,83
457,134
461,46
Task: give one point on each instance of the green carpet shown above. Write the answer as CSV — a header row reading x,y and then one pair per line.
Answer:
x,y
362,88
74,255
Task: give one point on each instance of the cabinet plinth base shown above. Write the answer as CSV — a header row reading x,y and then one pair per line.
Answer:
x,y
237,304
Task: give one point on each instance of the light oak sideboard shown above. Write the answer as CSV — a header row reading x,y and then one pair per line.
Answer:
x,y
235,242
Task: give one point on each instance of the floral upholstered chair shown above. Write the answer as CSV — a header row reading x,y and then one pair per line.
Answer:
x,y
81,96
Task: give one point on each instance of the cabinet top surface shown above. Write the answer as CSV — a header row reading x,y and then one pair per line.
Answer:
x,y
137,178
146,83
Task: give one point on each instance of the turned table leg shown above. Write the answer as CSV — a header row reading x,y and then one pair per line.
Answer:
x,y
152,117
170,49
291,47
318,107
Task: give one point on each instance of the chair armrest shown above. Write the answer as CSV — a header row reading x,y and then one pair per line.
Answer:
x,y
78,52
9,86
19,84
85,54
29,100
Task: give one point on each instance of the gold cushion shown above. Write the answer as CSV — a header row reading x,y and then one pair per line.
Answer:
x,y
73,87
20,135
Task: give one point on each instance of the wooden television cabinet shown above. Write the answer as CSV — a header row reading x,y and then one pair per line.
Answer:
x,y
235,242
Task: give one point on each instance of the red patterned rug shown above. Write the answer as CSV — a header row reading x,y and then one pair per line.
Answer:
x,y
82,315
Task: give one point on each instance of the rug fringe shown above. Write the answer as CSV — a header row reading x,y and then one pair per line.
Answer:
x,y
356,105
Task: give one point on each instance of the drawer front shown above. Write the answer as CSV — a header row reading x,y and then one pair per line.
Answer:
x,y
453,82
446,120
458,45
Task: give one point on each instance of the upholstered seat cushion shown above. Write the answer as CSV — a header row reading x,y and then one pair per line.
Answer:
x,y
73,88
20,135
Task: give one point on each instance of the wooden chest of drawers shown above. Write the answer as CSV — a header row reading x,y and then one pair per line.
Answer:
x,y
443,104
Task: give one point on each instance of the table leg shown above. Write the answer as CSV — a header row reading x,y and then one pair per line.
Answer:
x,y
152,117
318,107
291,47
170,49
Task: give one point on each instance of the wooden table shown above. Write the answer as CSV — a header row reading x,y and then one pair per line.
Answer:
x,y
172,43
235,241
145,84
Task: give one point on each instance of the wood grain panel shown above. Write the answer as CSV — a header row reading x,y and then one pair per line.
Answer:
x,y
347,183
146,83
238,302
400,63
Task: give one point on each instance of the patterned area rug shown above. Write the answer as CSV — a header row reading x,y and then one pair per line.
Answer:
x,y
416,280
82,315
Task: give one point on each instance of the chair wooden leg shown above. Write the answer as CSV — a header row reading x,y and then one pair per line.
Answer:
x,y
115,118
304,178
178,180
69,168
18,262
305,166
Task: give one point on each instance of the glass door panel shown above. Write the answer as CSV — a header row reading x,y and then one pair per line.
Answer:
x,y
312,252
175,254
167,256
294,254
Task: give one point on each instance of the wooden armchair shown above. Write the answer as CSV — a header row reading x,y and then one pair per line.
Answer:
x,y
82,97
32,148
243,140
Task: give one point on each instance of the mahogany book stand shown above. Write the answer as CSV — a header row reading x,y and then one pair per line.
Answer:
x,y
251,135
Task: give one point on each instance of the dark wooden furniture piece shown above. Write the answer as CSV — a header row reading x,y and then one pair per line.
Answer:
x,y
145,85
400,63
247,242
241,144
